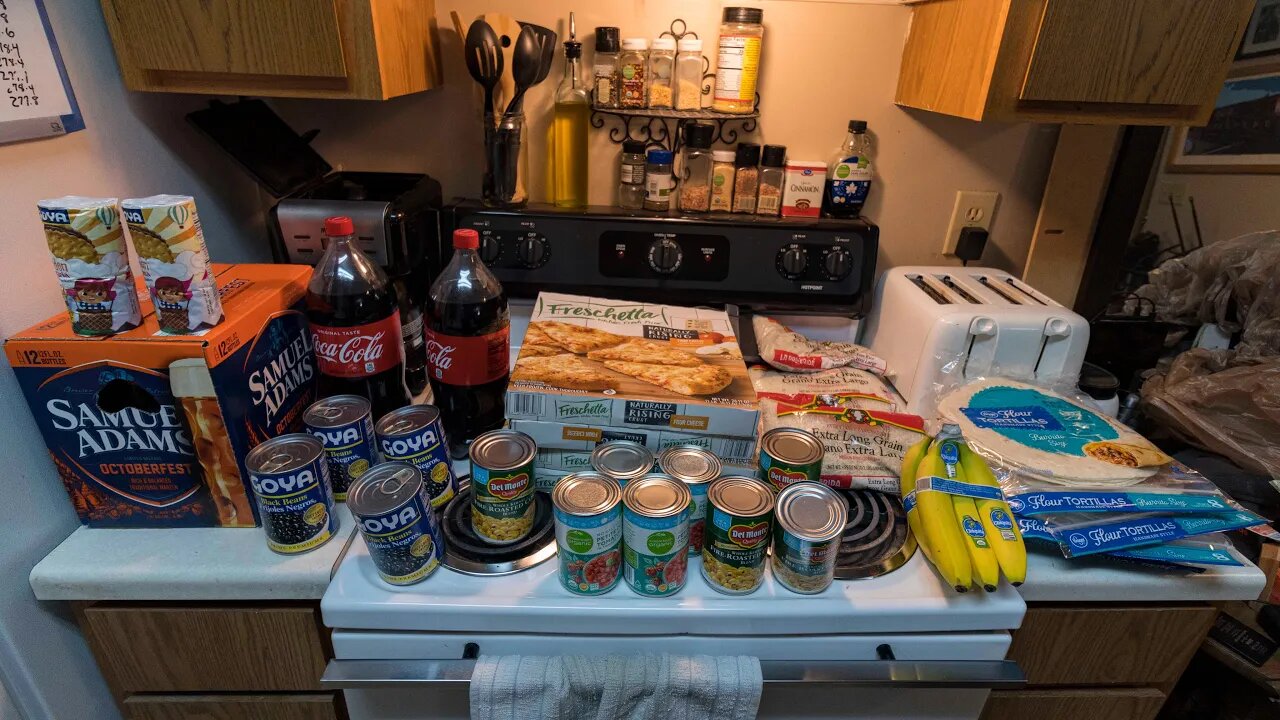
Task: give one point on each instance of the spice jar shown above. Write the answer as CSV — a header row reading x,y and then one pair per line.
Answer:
x,y
738,61
689,69
604,70
772,172
662,71
631,175
633,68
746,177
722,180
658,180
695,175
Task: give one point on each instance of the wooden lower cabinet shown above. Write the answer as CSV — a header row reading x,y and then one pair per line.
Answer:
x,y
1086,704
317,706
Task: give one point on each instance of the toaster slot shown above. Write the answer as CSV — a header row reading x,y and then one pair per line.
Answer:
x,y
958,290
1026,290
928,289
997,289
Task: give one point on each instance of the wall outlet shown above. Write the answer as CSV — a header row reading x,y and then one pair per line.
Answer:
x,y
973,209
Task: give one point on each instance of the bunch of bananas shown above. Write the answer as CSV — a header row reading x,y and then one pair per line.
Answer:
x,y
967,539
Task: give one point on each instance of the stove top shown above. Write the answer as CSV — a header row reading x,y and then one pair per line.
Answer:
x,y
467,553
876,539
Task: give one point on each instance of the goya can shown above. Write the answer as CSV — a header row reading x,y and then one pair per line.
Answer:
x,y
808,523
788,456
343,425
695,467
502,485
739,516
655,534
622,460
290,479
414,434
588,515
394,515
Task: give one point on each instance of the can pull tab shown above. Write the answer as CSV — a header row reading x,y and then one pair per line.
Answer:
x,y
276,462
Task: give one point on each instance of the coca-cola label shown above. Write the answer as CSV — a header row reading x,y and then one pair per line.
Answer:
x,y
474,360
357,351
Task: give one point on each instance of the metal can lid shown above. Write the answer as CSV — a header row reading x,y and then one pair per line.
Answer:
x,y
811,511
503,450
792,445
385,487
334,411
656,495
586,493
740,495
623,459
284,453
407,419
690,464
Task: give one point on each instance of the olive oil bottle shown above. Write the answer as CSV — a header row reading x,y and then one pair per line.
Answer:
x,y
569,129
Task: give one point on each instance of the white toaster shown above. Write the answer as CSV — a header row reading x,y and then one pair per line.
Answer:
x,y
936,326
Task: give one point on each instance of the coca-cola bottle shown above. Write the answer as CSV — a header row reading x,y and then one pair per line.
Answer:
x,y
468,344
355,321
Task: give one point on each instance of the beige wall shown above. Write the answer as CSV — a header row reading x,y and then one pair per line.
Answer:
x,y
824,64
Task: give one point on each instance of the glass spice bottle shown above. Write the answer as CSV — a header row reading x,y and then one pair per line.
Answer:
x,y
722,181
695,174
658,180
662,70
746,177
633,68
631,175
604,69
772,169
689,68
738,60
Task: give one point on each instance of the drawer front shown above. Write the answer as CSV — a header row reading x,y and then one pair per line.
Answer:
x,y
320,706
298,38
191,649
1108,645
1089,704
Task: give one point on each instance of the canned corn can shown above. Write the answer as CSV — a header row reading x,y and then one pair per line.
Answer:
x,y
394,515
414,434
655,535
342,424
588,514
290,479
502,487
788,456
808,522
739,516
622,460
696,467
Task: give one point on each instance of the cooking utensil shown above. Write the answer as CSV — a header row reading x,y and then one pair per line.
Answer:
x,y
507,30
546,49
528,63
484,61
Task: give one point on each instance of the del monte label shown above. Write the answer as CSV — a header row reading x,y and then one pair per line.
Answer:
x,y
749,536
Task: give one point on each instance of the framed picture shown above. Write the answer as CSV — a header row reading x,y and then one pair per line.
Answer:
x,y
1243,134
1262,37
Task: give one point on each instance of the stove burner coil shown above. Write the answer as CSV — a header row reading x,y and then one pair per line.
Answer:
x,y
466,553
876,539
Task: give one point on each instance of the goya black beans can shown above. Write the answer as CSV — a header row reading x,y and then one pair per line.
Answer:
x,y
588,516
343,425
414,434
622,460
739,518
290,479
788,456
696,467
808,522
502,487
394,515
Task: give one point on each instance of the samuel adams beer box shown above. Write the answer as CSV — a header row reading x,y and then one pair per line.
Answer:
x,y
151,430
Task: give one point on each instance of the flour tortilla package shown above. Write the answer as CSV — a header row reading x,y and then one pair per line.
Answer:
x,y
1080,534
1213,549
1175,489
788,350
845,386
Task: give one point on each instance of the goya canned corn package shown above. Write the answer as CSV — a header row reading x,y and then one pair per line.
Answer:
x,y
809,519
739,517
588,517
502,489
695,467
290,479
415,435
789,455
655,534
343,425
394,515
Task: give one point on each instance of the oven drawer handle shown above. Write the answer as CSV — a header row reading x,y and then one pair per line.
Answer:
x,y
948,674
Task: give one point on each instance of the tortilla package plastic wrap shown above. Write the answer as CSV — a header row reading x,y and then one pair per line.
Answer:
x,y
1080,534
788,350
843,386
1174,489
1212,549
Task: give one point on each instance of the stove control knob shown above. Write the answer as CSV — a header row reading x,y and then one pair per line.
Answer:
x,y
490,248
665,255
837,263
533,251
793,261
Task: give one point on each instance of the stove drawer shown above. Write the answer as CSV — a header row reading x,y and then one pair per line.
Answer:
x,y
310,706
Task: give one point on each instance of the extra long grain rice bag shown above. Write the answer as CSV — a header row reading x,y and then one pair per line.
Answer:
x,y
785,349
844,386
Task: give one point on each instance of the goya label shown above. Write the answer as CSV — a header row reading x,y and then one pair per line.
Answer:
x,y
424,449
735,551
590,550
780,474
697,517
349,451
405,544
656,557
502,509
804,566
296,507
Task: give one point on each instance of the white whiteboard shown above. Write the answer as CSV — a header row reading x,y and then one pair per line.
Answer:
x,y
36,99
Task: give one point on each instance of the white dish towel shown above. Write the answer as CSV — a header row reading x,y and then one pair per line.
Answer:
x,y
615,687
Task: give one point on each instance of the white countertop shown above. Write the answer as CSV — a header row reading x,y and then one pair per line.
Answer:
x,y
186,564
1054,578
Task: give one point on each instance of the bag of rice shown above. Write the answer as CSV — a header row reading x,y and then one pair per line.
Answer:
x,y
785,349
844,386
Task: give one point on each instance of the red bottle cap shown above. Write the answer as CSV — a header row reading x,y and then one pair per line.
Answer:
x,y
341,225
466,239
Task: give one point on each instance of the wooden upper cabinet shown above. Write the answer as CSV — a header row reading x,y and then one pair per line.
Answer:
x,y
1131,62
358,49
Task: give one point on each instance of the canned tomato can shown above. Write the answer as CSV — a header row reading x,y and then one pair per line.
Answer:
x,y
655,534
808,522
588,516
622,460
414,434
343,425
739,516
394,515
790,455
695,467
502,488
290,479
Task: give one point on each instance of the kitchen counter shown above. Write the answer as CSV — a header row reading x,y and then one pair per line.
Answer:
x,y
180,564
1054,578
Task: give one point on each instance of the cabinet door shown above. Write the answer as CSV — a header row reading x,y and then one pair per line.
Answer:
x,y
1141,52
1088,704
319,706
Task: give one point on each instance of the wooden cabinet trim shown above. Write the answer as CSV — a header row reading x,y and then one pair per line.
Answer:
x,y
1092,703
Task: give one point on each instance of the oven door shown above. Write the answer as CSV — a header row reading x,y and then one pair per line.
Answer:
x,y
395,676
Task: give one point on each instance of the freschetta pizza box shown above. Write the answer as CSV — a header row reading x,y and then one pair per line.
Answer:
x,y
575,440
614,363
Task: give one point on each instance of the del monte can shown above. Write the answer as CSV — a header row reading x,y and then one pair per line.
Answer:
x,y
502,486
739,517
